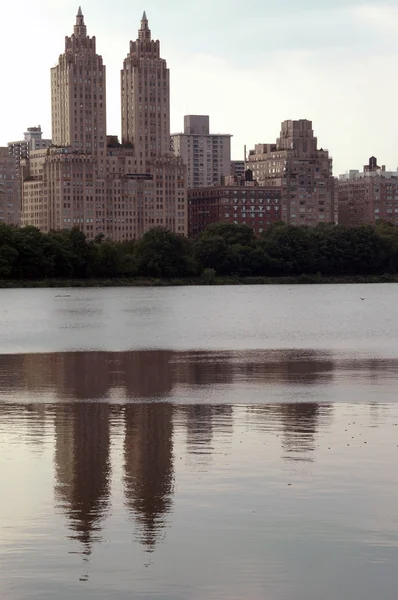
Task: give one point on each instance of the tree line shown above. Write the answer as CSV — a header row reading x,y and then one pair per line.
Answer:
x,y
221,250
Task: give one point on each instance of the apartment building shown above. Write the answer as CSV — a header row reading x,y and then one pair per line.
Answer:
x,y
302,172
9,189
368,196
239,203
206,155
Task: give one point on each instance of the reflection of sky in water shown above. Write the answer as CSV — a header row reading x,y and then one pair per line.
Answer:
x,y
187,318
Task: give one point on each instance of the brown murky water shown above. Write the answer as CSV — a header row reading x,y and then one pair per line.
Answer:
x,y
199,443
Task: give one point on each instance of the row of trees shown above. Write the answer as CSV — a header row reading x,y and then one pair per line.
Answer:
x,y
222,250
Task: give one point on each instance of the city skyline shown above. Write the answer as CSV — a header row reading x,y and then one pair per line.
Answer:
x,y
311,54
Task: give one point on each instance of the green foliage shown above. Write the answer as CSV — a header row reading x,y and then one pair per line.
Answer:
x,y
161,253
231,234
224,250
209,276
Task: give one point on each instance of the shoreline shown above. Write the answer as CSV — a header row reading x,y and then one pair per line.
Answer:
x,y
195,281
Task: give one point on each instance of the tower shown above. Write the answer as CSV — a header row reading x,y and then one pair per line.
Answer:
x,y
78,94
145,93
146,97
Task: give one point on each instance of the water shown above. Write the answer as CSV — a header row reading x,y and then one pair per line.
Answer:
x,y
199,443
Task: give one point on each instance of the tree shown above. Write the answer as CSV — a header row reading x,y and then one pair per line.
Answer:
x,y
212,252
8,256
162,253
31,262
231,233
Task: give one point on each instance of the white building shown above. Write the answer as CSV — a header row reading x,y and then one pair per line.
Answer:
x,y
206,155
33,140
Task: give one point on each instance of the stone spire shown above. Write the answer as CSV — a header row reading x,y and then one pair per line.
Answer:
x,y
144,31
80,29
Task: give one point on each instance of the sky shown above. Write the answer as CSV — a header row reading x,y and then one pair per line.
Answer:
x,y
248,65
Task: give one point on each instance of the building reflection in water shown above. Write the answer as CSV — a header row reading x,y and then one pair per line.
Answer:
x,y
203,422
148,467
79,385
300,424
157,374
297,424
82,468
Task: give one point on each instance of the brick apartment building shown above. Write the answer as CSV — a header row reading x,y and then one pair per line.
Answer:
x,y
238,202
368,196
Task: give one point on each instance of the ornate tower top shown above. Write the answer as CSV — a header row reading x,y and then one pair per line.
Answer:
x,y
80,29
79,42
144,32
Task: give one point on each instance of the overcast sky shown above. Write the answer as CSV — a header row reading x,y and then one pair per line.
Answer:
x,y
248,65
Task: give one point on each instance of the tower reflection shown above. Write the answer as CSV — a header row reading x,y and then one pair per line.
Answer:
x,y
82,468
149,471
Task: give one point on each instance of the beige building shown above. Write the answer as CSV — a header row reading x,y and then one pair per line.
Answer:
x,y
90,181
78,96
9,189
145,92
145,97
302,171
206,155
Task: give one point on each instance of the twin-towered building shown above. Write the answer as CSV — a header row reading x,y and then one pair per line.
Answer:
x,y
89,180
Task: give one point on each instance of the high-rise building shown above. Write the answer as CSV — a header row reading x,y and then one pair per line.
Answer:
x,y
78,95
9,189
368,196
206,155
89,180
145,82
145,93
301,170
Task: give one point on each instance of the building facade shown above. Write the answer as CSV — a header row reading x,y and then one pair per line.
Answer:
x,y
78,96
206,155
145,93
366,197
21,150
89,180
244,203
145,85
33,140
9,189
237,168
301,171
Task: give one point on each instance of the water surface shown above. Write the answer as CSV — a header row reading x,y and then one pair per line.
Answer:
x,y
199,443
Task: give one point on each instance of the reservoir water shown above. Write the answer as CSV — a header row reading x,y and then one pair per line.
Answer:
x,y
199,443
